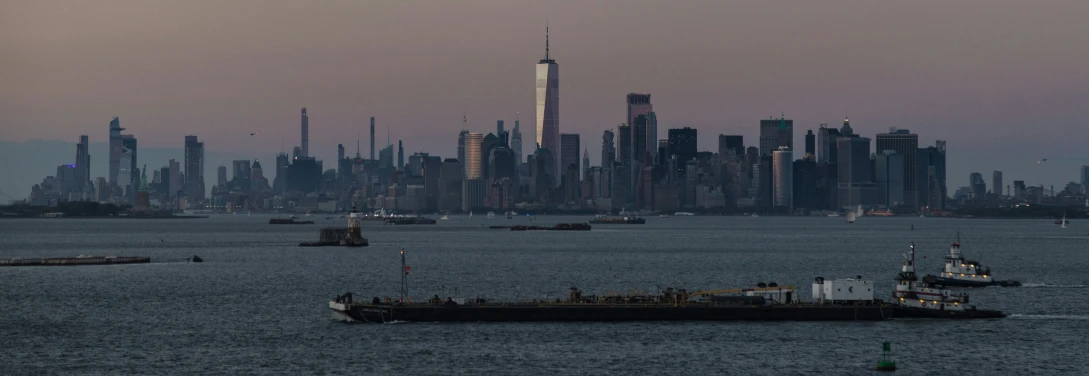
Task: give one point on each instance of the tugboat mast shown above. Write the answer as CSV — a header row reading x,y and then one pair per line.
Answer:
x,y
404,276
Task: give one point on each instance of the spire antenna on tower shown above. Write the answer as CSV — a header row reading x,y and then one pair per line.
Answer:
x,y
546,40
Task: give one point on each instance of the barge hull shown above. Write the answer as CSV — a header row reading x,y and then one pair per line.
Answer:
x,y
590,313
951,282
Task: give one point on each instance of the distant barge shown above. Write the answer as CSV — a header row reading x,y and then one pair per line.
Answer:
x,y
618,221
557,227
849,299
288,221
410,221
75,261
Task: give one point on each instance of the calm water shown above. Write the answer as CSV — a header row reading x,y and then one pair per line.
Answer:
x,y
258,304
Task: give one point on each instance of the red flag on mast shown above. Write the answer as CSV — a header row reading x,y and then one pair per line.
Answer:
x,y
407,269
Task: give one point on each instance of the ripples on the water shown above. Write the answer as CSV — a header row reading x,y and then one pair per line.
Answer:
x,y
257,305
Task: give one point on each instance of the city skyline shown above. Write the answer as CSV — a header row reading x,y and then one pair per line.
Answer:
x,y
1003,97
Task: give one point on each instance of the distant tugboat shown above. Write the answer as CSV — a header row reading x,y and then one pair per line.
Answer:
x,y
924,300
959,272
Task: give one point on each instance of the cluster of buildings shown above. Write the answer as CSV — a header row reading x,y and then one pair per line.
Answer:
x,y
835,169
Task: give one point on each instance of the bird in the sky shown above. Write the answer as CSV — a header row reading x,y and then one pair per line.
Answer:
x,y
1042,160
253,134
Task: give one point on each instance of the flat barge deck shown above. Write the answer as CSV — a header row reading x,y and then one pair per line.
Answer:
x,y
75,261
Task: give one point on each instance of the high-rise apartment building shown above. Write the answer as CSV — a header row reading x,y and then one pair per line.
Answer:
x,y
608,149
472,155
639,104
83,165
996,183
304,147
516,143
783,177
372,138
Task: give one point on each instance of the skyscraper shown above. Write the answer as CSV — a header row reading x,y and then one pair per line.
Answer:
x,y
83,165
608,149
930,176
730,142
826,144
128,153
305,145
569,151
810,144
498,127
775,133
221,177
115,150
682,143
340,151
472,155
372,138
194,169
548,101
905,144
1085,179
996,183
516,143
890,172
639,104
585,163
978,186
783,177
856,185
400,155
279,184
241,174
461,143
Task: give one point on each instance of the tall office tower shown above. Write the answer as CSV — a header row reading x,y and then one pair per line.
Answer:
x,y
83,165
489,142
194,169
340,151
516,142
639,140
783,177
930,176
124,176
175,185
280,182
128,146
810,145
371,137
461,142
978,186
305,145
890,170
221,177
826,144
241,174
639,104
257,176
726,143
498,127
775,133
624,156
1085,179
996,183
855,185
846,130
608,149
548,101
906,144
585,163
682,143
400,155
472,155
569,151
115,150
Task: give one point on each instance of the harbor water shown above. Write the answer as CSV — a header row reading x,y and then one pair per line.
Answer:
x,y
258,303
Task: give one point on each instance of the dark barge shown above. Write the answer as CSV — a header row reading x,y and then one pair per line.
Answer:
x,y
75,261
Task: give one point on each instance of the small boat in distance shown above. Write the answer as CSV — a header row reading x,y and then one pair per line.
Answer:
x,y
1062,222
663,216
683,213
491,215
444,217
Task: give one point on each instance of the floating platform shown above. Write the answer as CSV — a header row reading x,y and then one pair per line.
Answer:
x,y
75,261
286,221
558,227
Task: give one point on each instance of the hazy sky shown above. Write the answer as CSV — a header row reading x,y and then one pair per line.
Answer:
x,y
1005,82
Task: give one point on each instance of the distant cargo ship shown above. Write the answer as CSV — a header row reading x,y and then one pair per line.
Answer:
x,y
75,261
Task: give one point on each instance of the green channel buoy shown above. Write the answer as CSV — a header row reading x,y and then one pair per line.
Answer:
x,y
885,363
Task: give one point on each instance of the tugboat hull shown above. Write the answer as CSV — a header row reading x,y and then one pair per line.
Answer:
x,y
952,282
926,313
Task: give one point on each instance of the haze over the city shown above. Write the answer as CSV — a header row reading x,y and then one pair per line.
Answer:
x,y
1006,83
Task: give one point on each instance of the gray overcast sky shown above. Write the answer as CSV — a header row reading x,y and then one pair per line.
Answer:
x,y
1005,82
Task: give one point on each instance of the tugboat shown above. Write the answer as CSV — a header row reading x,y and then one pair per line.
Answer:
x,y
959,272
913,300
